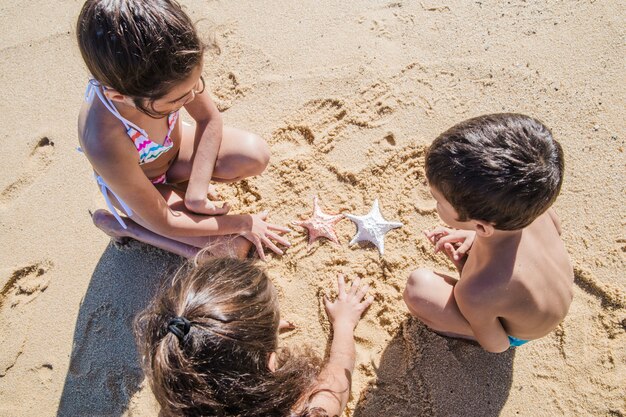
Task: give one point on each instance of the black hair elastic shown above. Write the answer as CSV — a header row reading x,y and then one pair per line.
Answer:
x,y
179,327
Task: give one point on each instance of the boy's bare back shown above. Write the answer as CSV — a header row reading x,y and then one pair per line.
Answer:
x,y
525,280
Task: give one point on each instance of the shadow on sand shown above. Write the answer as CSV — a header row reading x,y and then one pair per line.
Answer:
x,y
424,374
104,371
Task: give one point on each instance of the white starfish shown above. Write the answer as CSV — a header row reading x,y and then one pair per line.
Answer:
x,y
372,227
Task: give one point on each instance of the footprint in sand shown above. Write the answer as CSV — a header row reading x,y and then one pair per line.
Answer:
x,y
291,142
372,104
22,287
45,373
318,122
39,160
226,90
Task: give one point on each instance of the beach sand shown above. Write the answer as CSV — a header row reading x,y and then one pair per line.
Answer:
x,y
348,95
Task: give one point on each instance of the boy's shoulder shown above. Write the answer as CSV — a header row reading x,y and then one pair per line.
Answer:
x,y
482,288
536,264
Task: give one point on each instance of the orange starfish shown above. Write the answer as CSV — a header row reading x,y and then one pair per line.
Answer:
x,y
321,224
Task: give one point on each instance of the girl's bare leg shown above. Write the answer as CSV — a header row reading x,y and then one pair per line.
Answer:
x,y
242,154
138,229
106,222
228,245
218,246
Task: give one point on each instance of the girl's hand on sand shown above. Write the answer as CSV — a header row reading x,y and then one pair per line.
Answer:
x,y
264,233
349,305
207,204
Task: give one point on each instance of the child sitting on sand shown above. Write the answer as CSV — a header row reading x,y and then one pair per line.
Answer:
x,y
494,178
209,346
146,61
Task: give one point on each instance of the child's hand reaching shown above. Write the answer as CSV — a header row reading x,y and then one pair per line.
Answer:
x,y
262,233
333,389
345,312
455,243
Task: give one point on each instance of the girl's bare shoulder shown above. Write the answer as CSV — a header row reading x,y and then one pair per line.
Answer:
x,y
102,137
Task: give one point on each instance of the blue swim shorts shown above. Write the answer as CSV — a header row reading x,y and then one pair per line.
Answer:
x,y
516,342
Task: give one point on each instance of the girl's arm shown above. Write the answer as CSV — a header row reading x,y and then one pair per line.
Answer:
x,y
333,388
117,163
208,140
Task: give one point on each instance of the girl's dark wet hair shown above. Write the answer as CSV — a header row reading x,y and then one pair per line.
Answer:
x,y
141,48
218,364
505,169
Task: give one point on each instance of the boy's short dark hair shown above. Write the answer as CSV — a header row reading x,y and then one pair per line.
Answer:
x,y
505,169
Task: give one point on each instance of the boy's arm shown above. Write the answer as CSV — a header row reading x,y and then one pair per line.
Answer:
x,y
484,321
208,138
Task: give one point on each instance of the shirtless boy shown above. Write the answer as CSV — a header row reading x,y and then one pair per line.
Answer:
x,y
494,178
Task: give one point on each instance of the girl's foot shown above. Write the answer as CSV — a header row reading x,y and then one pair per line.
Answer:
x,y
285,325
231,247
212,193
106,222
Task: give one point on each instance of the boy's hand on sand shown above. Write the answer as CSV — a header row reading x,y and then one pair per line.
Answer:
x,y
264,233
349,305
454,243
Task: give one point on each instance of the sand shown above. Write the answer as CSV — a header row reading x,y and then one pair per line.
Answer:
x,y
348,94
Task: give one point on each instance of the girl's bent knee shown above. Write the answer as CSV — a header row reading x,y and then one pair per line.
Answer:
x,y
249,159
261,154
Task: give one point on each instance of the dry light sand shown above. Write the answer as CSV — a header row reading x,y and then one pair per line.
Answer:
x,y
348,94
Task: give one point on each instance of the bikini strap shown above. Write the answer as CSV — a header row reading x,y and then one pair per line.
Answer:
x,y
172,118
104,188
90,91
93,87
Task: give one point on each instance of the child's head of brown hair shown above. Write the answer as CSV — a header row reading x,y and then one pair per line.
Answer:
x,y
505,169
140,48
206,341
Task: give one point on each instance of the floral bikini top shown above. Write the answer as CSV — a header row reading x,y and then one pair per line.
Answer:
x,y
148,150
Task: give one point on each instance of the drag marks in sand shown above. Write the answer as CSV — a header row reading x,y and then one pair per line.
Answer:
x,y
226,85
612,300
34,167
18,290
